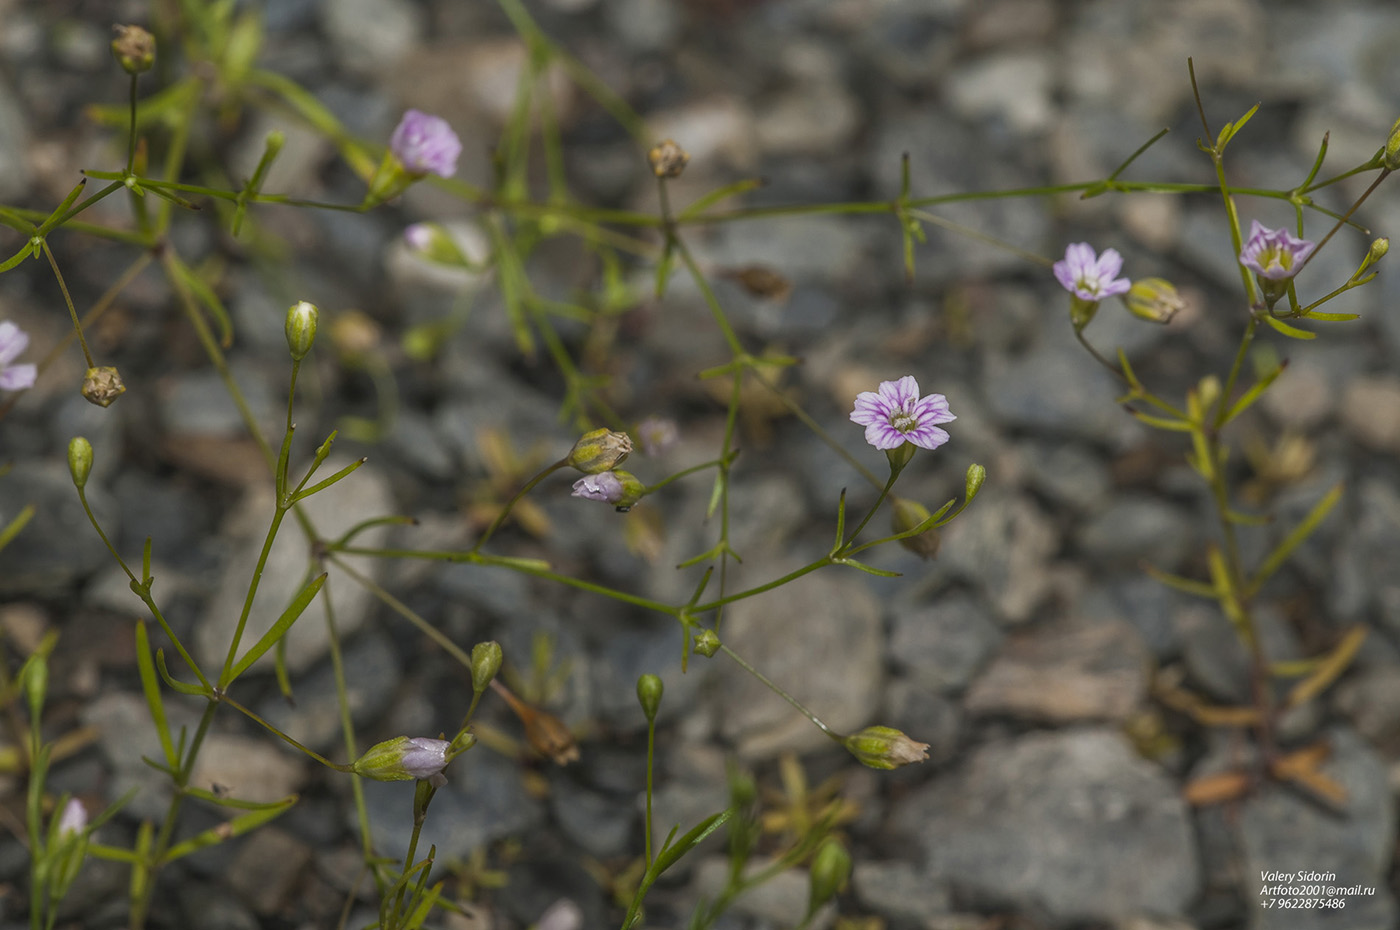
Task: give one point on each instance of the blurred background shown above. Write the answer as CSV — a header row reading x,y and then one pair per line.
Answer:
x,y
1031,654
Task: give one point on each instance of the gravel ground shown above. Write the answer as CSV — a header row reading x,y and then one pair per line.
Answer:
x,y
1025,654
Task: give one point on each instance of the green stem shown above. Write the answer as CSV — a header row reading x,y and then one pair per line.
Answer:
x,y
505,511
781,693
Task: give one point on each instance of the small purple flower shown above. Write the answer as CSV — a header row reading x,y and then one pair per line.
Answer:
x,y
604,486
73,820
424,757
1274,253
657,434
13,342
1091,277
425,144
897,415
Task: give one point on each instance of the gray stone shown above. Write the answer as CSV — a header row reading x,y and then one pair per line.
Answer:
x,y
820,639
268,868
485,799
1371,699
58,547
363,495
197,404
1147,604
1072,823
1014,87
248,769
125,734
1063,673
372,677
898,890
605,826
692,786
926,716
372,36
628,655
1066,473
1278,830
1054,389
1371,412
15,177
944,644
1003,545
813,119
1216,658
212,906
1136,529
779,901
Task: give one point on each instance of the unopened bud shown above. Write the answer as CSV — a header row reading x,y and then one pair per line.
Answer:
x,y
301,328
1374,254
620,488
403,758
73,820
486,662
649,691
431,242
103,385
976,475
707,643
134,48
600,450
668,159
1391,158
36,682
905,516
884,748
1153,299
831,868
79,460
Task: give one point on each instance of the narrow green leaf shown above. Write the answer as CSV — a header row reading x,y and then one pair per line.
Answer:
x,y
1335,317
1291,332
1185,585
206,297
693,837
1294,539
868,569
278,629
227,830
16,525
147,672
713,197
322,485
1163,423
173,682
1250,396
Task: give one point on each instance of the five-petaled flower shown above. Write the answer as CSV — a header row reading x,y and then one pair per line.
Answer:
x,y
13,342
1089,276
1274,253
425,144
896,415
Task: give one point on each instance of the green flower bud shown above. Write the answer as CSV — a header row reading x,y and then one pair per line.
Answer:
x,y
403,758
1154,300
103,385
1391,158
301,328
599,451
1081,311
134,49
632,490
907,514
1378,249
884,748
831,868
432,242
976,474
79,460
649,690
486,662
707,643
36,682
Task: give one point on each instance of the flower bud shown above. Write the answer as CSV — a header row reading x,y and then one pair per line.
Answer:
x,y
1154,300
707,643
79,460
976,474
301,328
36,682
600,450
73,820
668,159
831,867
1082,311
548,736
1374,254
403,758
649,690
1391,158
907,514
486,662
431,242
103,385
134,49
884,748
619,488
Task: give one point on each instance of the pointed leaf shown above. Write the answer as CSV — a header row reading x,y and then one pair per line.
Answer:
x,y
278,629
1295,538
1290,331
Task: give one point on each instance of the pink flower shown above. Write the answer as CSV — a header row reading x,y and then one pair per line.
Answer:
x,y
424,757
74,818
896,415
425,144
1089,276
13,342
1274,253
604,486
